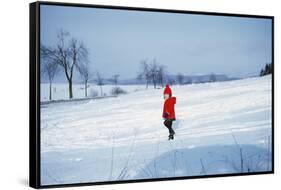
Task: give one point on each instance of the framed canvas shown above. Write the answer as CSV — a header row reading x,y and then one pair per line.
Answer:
x,y
131,94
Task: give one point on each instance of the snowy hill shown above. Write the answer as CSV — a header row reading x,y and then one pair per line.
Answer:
x,y
218,125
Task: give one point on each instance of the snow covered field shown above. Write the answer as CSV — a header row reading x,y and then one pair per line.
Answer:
x,y
222,127
60,90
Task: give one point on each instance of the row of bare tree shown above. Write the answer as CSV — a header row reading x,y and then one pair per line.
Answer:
x,y
68,54
152,72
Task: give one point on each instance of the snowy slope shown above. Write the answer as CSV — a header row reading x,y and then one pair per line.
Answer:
x,y
218,125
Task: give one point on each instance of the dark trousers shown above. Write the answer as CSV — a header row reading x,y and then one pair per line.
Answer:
x,y
168,123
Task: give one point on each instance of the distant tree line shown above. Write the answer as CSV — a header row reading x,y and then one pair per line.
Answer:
x,y
266,70
69,55
152,72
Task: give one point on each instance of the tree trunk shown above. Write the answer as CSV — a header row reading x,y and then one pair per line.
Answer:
x,y
70,89
86,90
101,90
147,84
50,91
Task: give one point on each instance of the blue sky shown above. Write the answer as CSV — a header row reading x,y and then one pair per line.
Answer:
x,y
191,44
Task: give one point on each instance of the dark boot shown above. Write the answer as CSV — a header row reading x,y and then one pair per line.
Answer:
x,y
171,131
171,137
168,124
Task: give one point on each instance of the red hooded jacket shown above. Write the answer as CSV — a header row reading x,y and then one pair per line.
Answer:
x,y
169,108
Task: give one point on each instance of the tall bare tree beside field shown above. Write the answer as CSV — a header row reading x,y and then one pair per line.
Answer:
x,y
68,53
49,69
144,73
84,71
100,81
154,72
161,75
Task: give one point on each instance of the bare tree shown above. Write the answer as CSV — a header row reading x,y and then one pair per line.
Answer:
x,y
49,69
114,79
78,54
161,75
180,78
213,78
154,72
144,72
68,54
100,81
84,71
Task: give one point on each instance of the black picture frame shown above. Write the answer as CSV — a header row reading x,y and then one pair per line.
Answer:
x,y
34,92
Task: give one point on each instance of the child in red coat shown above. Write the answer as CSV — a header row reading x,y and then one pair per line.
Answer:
x,y
169,111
